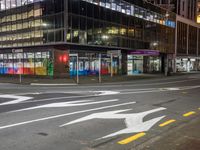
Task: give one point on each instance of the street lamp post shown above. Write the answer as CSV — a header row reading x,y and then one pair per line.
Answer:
x,y
111,64
20,53
20,74
77,69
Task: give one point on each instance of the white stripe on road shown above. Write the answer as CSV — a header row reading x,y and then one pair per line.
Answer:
x,y
86,96
63,115
119,92
103,93
58,98
67,104
17,99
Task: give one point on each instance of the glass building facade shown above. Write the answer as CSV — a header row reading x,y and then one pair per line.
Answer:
x,y
86,27
187,46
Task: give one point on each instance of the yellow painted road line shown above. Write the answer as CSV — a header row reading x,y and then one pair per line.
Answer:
x,y
167,123
189,114
132,138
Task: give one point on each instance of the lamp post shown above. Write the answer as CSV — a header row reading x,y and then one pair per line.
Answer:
x,y
20,56
77,66
99,68
111,64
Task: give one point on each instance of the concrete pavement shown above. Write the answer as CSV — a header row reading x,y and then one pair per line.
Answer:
x,y
185,137
83,80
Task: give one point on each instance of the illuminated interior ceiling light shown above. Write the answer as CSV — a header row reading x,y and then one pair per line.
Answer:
x,y
44,24
167,14
68,36
155,43
105,37
198,19
75,34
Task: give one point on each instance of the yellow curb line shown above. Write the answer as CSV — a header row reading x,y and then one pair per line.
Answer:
x,y
131,139
167,123
189,114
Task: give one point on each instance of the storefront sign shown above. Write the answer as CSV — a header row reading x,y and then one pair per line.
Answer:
x,y
17,50
144,52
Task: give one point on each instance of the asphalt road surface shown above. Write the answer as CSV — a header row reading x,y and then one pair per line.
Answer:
x,y
118,116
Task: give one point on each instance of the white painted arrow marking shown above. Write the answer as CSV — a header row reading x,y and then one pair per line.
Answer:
x,y
17,99
63,115
102,93
68,104
134,122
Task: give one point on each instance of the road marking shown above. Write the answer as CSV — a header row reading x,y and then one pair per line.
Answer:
x,y
170,89
150,90
17,99
132,138
167,123
58,98
102,93
67,104
134,121
86,96
189,114
63,115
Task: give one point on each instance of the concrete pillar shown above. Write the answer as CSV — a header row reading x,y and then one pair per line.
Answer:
x,y
187,39
166,65
175,53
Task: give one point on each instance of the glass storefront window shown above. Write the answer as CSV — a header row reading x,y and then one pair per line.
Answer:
x,y
1,64
155,64
29,63
89,64
143,64
129,9
7,4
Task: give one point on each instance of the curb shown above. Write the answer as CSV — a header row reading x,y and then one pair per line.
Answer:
x,y
46,84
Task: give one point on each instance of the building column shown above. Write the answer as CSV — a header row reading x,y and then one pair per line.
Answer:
x,y
197,42
187,39
65,19
197,53
175,54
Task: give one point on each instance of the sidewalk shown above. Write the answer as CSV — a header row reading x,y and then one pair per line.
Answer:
x,y
183,138
82,80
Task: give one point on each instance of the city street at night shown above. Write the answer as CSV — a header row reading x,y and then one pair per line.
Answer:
x,y
149,114
99,74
